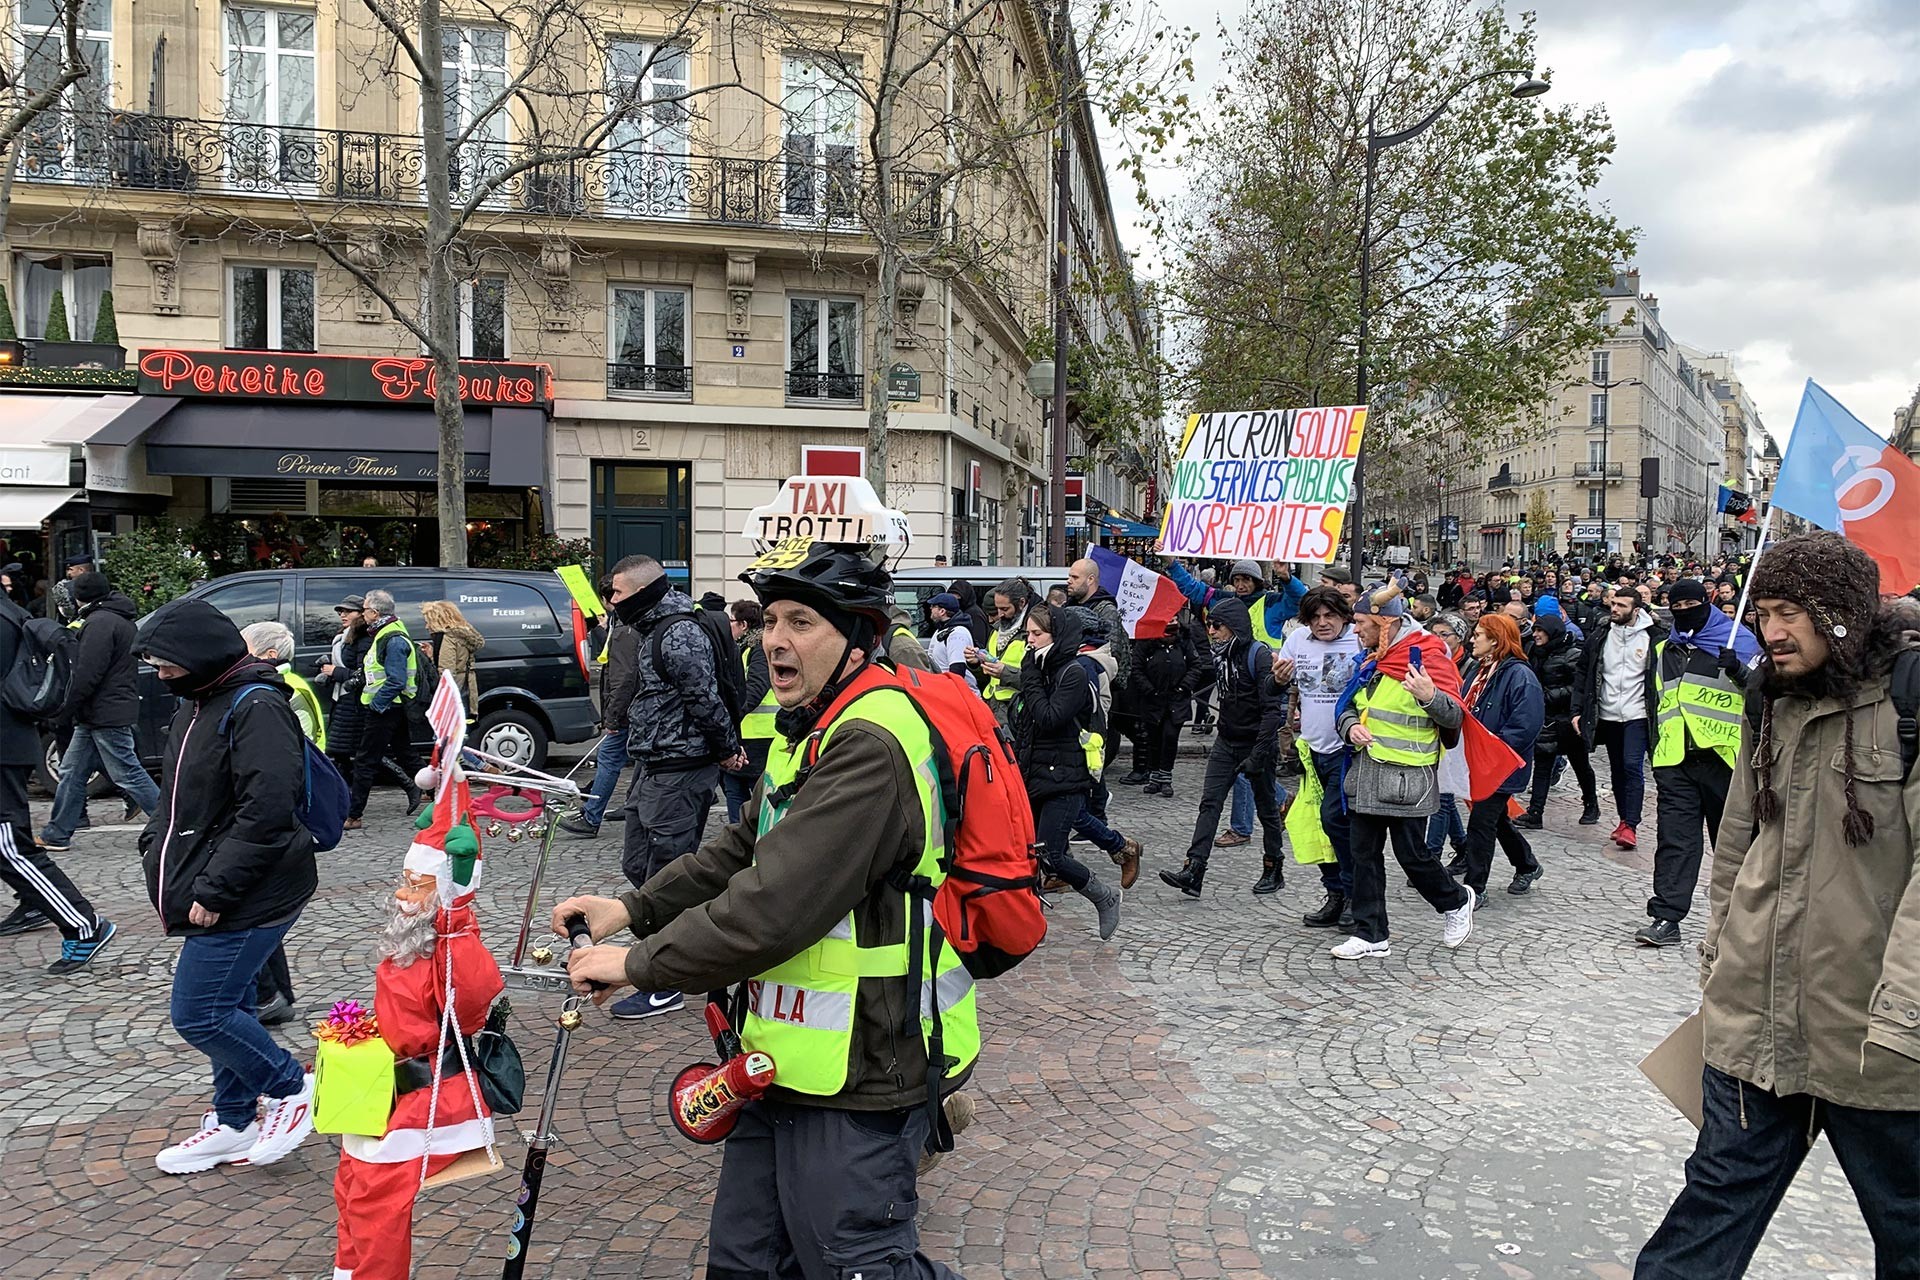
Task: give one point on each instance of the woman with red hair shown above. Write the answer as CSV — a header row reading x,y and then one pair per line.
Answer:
x,y
1506,697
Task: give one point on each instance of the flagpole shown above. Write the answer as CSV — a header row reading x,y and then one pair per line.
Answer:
x,y
1746,584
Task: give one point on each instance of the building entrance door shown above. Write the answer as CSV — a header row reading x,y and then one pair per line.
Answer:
x,y
643,508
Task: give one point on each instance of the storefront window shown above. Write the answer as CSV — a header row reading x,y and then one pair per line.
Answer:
x,y
270,309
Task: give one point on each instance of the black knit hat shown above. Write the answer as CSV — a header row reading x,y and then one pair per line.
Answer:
x,y
1838,585
1687,589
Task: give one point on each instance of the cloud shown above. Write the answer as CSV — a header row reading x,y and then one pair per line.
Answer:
x,y
1744,95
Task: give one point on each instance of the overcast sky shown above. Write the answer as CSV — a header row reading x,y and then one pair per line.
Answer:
x,y
1769,152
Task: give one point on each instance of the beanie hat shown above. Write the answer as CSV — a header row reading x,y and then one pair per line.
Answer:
x,y
91,586
445,845
1838,585
1547,607
1687,589
1247,569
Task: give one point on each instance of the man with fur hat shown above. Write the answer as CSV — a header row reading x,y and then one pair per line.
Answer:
x,y
1699,672
1811,965
430,950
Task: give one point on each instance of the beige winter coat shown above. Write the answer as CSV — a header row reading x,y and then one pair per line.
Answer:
x,y
1811,964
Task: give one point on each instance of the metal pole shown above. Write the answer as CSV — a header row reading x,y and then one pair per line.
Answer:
x,y
1063,208
1356,513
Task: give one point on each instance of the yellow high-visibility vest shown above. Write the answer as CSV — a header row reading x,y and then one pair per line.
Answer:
x,y
1702,705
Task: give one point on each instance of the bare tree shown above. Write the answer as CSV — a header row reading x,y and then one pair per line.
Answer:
x,y
1687,514
48,59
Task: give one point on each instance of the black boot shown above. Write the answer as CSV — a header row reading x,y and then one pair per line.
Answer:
x,y
1531,820
1272,877
1590,816
1187,879
1329,913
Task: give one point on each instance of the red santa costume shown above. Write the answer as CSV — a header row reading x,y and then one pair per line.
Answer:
x,y
379,1178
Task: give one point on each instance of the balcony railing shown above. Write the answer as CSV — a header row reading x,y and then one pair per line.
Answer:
x,y
1597,470
1502,481
659,379
132,151
839,388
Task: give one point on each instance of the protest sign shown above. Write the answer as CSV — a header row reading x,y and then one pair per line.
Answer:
x,y
1269,484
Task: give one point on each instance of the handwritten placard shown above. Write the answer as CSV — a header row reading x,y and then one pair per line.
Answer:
x,y
1264,484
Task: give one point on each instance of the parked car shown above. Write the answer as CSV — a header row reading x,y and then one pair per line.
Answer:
x,y
534,680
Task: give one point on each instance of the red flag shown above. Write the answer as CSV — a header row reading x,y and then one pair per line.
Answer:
x,y
1490,761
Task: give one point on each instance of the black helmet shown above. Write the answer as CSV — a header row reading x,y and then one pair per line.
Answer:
x,y
840,577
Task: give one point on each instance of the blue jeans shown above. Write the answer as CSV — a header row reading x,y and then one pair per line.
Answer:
x,y
92,748
213,1012
1335,876
1445,824
1240,816
1749,1150
737,788
1094,827
608,760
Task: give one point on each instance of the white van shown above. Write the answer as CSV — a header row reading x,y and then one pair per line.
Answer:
x,y
913,587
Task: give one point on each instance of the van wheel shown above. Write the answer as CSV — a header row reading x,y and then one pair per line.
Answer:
x,y
48,773
513,735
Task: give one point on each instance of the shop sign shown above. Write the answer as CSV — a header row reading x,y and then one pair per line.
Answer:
x,y
292,376
30,465
1591,530
348,465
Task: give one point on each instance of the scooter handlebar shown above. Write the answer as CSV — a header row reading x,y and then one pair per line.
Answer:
x,y
579,935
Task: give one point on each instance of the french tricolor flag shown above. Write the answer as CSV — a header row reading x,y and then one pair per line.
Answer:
x,y
1147,600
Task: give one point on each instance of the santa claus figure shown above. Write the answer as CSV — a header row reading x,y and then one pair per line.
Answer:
x,y
432,991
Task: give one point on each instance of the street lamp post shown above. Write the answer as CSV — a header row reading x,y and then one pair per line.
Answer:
x,y
1063,212
1606,385
1530,86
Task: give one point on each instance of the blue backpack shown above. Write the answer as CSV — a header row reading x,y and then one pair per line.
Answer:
x,y
325,797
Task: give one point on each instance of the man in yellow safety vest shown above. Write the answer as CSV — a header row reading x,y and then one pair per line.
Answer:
x,y
794,900
1699,674
999,663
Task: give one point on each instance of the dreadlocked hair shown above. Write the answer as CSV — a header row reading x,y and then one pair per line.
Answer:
x,y
1766,801
1857,826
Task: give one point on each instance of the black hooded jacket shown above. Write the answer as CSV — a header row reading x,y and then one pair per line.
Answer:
x,y
1055,703
101,691
1561,665
226,835
1250,704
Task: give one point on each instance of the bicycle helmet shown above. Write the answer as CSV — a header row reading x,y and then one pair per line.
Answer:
x,y
844,579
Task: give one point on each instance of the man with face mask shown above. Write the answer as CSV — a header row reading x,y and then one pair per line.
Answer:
x,y
1700,673
1810,969
679,734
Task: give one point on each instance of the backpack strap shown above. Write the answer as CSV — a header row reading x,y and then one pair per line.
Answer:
x,y
226,721
1905,686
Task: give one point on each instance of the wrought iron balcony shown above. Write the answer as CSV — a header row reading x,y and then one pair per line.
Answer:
x,y
133,151
837,388
1597,470
1504,480
658,379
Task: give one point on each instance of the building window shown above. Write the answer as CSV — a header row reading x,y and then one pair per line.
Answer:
x,y
648,341
74,137
1597,409
819,116
270,308
1596,453
270,64
647,86
78,279
483,316
1602,363
474,66
1596,503
823,349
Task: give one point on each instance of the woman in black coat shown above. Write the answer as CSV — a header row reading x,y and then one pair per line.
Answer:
x,y
1166,671
1560,664
1054,707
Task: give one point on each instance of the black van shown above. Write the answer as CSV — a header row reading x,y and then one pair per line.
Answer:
x,y
534,672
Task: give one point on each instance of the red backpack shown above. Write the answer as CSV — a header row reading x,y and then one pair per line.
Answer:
x,y
988,908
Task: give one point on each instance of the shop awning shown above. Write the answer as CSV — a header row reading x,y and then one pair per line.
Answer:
x,y
25,508
346,442
1126,528
28,420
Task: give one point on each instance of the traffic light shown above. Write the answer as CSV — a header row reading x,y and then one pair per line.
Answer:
x,y
1523,526
1376,528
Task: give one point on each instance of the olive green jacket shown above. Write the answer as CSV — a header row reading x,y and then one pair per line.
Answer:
x,y
1811,965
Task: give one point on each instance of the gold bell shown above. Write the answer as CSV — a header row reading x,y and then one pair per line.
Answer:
x,y
493,828
513,835
543,955
570,1020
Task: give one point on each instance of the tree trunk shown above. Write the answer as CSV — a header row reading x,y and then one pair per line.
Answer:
x,y
443,310
886,286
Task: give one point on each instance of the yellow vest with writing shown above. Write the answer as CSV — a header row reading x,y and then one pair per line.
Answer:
x,y
802,1013
1402,731
1703,706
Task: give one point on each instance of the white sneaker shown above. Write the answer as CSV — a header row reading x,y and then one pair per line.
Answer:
x,y
1457,924
214,1144
288,1122
1360,949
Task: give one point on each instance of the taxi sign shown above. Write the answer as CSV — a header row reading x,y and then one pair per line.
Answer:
x,y
843,510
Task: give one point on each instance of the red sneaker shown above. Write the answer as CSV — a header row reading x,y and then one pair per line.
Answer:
x,y
1625,837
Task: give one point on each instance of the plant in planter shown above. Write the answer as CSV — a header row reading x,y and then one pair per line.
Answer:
x,y
106,326
57,329
155,564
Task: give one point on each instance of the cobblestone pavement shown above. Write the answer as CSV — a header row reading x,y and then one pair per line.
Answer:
x,y
1209,1095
